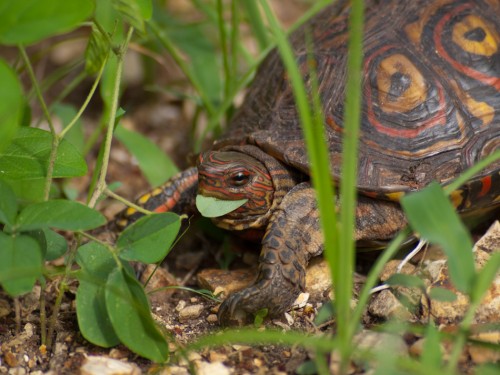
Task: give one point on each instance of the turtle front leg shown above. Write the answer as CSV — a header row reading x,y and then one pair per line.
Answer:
x,y
176,195
292,237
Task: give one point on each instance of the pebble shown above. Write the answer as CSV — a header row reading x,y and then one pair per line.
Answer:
x,y
212,318
95,365
481,355
174,370
214,368
318,278
391,267
386,305
301,300
190,312
180,305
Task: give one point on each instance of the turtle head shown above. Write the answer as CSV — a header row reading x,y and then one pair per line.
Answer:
x,y
232,175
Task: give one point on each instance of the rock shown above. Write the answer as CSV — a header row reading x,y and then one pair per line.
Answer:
x,y
391,267
180,305
224,281
212,318
190,312
214,368
490,242
94,365
5,308
301,300
318,280
489,309
160,278
386,305
480,354
174,370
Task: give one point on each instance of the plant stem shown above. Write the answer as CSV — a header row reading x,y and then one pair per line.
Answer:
x,y
55,138
140,209
34,82
101,183
53,318
86,102
344,254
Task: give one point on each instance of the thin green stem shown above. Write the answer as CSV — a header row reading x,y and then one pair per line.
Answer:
x,y
258,27
55,138
225,49
86,102
101,182
345,250
113,195
63,287
38,92
43,313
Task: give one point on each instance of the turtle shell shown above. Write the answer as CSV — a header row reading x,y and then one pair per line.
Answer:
x,y
431,96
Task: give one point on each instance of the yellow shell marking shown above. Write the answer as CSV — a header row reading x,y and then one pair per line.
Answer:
x,y
144,198
488,46
122,223
480,110
415,94
414,30
156,192
395,196
456,198
130,211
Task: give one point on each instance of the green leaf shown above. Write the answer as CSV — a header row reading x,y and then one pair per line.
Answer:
x,y
148,240
11,103
95,325
431,214
21,263
8,204
56,244
132,11
431,355
27,191
59,213
155,165
29,21
409,281
442,294
130,316
96,52
146,8
28,155
213,207
488,369
259,317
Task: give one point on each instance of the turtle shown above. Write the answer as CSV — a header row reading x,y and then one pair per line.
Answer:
x,y
430,110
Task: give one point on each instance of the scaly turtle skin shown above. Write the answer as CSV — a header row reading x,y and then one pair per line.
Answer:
x,y
431,109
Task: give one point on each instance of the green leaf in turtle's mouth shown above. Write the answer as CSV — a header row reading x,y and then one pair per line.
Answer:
x,y
214,207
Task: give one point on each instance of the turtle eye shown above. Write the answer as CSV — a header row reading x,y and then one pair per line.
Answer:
x,y
239,178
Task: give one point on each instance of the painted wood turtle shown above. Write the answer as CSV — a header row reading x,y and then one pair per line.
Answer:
x,y
431,109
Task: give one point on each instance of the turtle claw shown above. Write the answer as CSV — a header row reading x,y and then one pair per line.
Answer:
x,y
272,291
235,307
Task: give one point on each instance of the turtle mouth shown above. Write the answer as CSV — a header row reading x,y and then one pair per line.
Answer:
x,y
214,207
